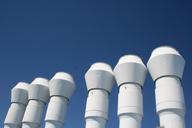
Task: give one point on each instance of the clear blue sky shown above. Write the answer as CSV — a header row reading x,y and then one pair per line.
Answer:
x,y
39,38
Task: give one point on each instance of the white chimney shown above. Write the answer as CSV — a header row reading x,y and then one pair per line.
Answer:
x,y
166,67
99,79
38,97
19,99
61,88
130,73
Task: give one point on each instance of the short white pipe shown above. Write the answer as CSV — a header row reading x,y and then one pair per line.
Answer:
x,y
130,73
99,80
97,108
34,114
130,106
53,124
38,97
169,93
166,67
19,97
16,112
57,109
61,87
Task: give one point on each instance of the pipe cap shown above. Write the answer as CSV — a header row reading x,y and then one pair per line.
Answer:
x,y
39,89
99,76
62,84
130,69
166,61
19,94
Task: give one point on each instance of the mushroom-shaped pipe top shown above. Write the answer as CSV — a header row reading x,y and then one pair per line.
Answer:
x,y
19,94
100,76
62,84
164,50
130,69
40,81
39,89
165,61
22,85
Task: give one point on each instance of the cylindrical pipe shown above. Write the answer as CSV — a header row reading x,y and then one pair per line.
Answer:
x,y
34,112
99,80
62,86
98,100
130,73
19,97
166,67
38,97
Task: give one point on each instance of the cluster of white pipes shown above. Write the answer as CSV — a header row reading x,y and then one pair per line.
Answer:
x,y
28,102
165,65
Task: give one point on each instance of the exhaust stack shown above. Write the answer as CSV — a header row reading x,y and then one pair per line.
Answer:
x,y
99,80
166,67
19,99
38,97
130,73
61,87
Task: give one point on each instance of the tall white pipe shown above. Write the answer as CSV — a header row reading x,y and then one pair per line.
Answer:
x,y
19,99
38,97
61,88
99,80
130,73
166,67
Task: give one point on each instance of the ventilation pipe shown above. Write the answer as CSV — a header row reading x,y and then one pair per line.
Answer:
x,y
166,67
99,79
61,88
19,99
130,73
38,97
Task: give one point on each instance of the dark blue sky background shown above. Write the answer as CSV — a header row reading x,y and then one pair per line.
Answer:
x,y
40,38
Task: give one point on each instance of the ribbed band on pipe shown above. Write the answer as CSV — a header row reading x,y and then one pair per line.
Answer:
x,y
95,122
11,126
53,124
171,119
130,120
30,125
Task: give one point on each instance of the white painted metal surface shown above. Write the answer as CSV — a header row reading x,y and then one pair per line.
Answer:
x,y
19,99
130,73
166,67
61,87
38,97
99,80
